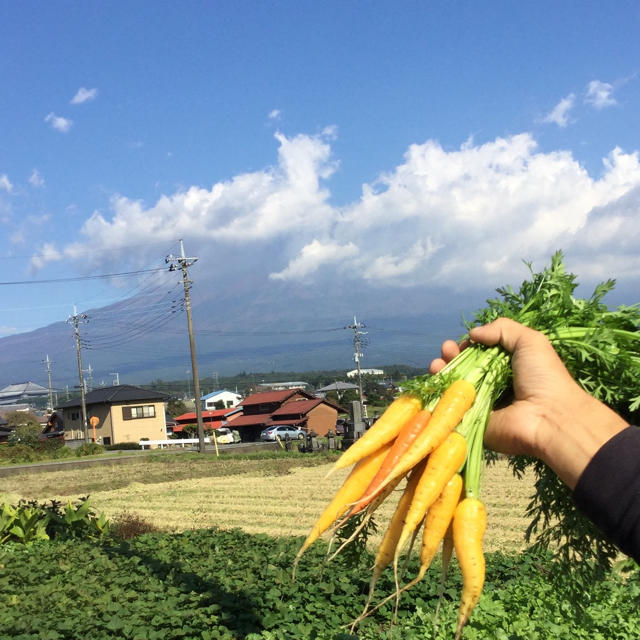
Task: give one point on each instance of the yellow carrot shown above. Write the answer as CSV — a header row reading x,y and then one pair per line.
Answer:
x,y
454,403
441,465
409,432
383,430
469,525
387,547
353,487
436,526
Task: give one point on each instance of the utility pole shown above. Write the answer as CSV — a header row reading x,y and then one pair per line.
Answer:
x,y
48,364
184,263
356,326
75,319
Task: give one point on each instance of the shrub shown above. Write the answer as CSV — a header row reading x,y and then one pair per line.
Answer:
x,y
126,525
126,446
25,434
89,449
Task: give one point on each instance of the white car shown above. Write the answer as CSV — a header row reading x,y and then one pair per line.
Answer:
x,y
283,432
224,435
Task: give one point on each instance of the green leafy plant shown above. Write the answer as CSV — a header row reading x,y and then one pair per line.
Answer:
x,y
31,521
227,584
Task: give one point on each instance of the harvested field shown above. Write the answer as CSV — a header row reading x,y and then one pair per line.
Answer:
x,y
260,498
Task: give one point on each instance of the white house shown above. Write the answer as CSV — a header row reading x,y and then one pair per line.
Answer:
x,y
365,372
228,399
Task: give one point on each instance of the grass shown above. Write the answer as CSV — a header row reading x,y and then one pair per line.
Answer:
x,y
280,494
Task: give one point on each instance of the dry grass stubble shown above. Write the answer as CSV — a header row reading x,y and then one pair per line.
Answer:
x,y
288,505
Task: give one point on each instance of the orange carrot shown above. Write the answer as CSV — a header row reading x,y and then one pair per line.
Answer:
x,y
412,428
441,465
454,403
384,430
469,525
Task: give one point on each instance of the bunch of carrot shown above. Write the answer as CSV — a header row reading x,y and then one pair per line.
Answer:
x,y
433,439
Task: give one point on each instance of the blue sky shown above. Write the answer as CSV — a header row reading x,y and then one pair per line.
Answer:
x,y
415,146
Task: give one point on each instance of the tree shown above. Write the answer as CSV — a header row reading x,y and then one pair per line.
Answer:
x,y
176,408
21,419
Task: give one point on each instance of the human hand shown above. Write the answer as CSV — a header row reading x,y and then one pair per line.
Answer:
x,y
551,417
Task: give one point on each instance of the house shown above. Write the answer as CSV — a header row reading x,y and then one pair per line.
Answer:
x,y
125,414
22,391
281,386
210,419
289,406
365,372
227,398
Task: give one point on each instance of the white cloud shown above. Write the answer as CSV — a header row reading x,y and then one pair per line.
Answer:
x,y
48,253
314,255
35,179
58,122
560,113
389,267
84,95
599,94
461,218
5,183
274,114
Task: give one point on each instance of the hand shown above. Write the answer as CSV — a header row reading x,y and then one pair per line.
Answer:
x,y
551,416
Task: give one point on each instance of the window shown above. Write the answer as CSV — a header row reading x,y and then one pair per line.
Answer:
x,y
75,415
144,411
106,440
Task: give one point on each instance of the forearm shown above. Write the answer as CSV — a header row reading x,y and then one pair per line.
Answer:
x,y
575,432
608,491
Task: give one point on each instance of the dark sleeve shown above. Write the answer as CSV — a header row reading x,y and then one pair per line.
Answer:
x,y
608,491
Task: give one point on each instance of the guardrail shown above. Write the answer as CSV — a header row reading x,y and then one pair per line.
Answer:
x,y
163,443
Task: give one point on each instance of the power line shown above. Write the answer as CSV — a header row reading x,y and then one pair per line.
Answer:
x,y
79,278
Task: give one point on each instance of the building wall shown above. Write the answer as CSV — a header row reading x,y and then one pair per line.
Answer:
x,y
229,398
134,429
321,419
102,412
113,427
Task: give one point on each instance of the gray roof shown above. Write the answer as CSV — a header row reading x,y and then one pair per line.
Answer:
x,y
337,386
122,393
19,390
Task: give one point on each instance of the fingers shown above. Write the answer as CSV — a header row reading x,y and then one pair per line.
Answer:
x,y
506,332
450,350
436,365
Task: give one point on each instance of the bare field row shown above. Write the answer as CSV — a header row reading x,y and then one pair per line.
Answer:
x,y
284,505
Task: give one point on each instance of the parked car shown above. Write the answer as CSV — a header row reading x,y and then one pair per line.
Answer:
x,y
283,431
224,435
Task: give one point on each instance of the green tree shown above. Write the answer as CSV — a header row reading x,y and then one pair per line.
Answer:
x,y
176,408
21,418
